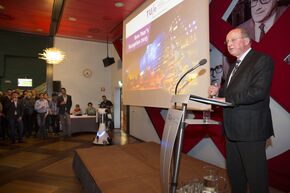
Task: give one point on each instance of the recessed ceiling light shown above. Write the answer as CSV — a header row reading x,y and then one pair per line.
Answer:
x,y
2,7
119,4
72,18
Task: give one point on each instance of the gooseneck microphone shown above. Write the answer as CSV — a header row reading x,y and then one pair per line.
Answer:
x,y
202,62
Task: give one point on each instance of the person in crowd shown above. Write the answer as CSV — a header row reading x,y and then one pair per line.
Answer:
x,y
5,103
64,103
24,94
264,15
48,117
14,115
77,110
90,110
106,104
28,103
35,97
248,122
53,112
41,107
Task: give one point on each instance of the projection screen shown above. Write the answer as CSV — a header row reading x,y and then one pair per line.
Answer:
x,y
162,40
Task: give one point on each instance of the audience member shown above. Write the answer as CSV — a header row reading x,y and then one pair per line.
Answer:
x,y
90,110
53,113
14,116
5,103
28,104
41,107
35,97
64,103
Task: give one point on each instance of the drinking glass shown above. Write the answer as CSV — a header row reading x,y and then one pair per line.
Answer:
x,y
216,85
222,185
206,116
210,179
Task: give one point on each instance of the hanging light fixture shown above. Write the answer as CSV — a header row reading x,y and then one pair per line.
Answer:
x,y
52,55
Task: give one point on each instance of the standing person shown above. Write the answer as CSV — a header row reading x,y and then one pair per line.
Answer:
x,y
5,103
14,115
106,104
28,103
41,107
64,103
264,14
53,111
248,123
35,97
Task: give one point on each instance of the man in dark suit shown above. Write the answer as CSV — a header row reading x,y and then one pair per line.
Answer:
x,y
14,114
64,103
248,123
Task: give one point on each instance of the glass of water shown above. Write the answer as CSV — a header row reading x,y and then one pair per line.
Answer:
x,y
210,179
206,116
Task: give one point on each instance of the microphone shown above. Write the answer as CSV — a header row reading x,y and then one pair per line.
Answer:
x,y
202,62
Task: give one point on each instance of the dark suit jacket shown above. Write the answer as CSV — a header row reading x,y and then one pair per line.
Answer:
x,y
250,117
11,109
64,107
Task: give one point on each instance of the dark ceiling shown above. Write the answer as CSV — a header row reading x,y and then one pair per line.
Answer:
x,y
93,20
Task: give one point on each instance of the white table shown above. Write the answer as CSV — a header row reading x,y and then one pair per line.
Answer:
x,y
83,123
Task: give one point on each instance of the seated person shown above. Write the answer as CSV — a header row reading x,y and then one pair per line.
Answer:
x,y
77,110
90,110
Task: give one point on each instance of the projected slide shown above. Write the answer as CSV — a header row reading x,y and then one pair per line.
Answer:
x,y
161,41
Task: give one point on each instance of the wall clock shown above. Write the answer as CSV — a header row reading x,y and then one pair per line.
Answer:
x,y
87,73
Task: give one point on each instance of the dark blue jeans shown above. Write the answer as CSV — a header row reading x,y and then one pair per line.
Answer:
x,y
14,124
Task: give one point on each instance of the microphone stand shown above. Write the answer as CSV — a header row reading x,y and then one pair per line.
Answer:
x,y
179,139
189,71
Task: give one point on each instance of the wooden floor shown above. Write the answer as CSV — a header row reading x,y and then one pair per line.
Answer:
x,y
45,166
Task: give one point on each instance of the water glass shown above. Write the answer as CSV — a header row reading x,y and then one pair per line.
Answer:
x,y
206,116
210,179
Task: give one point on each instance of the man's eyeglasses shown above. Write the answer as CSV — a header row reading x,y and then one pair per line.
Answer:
x,y
216,70
255,2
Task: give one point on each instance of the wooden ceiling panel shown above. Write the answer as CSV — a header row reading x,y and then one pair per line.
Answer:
x,y
29,16
96,20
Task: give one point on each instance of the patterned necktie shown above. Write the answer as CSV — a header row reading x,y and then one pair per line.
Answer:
x,y
262,28
234,70
236,67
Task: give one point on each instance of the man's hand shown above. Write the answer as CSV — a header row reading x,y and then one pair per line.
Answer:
x,y
213,90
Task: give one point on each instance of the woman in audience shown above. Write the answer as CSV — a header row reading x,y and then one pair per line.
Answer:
x,y
77,110
90,110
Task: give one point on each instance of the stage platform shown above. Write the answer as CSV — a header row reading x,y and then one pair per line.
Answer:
x,y
130,168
